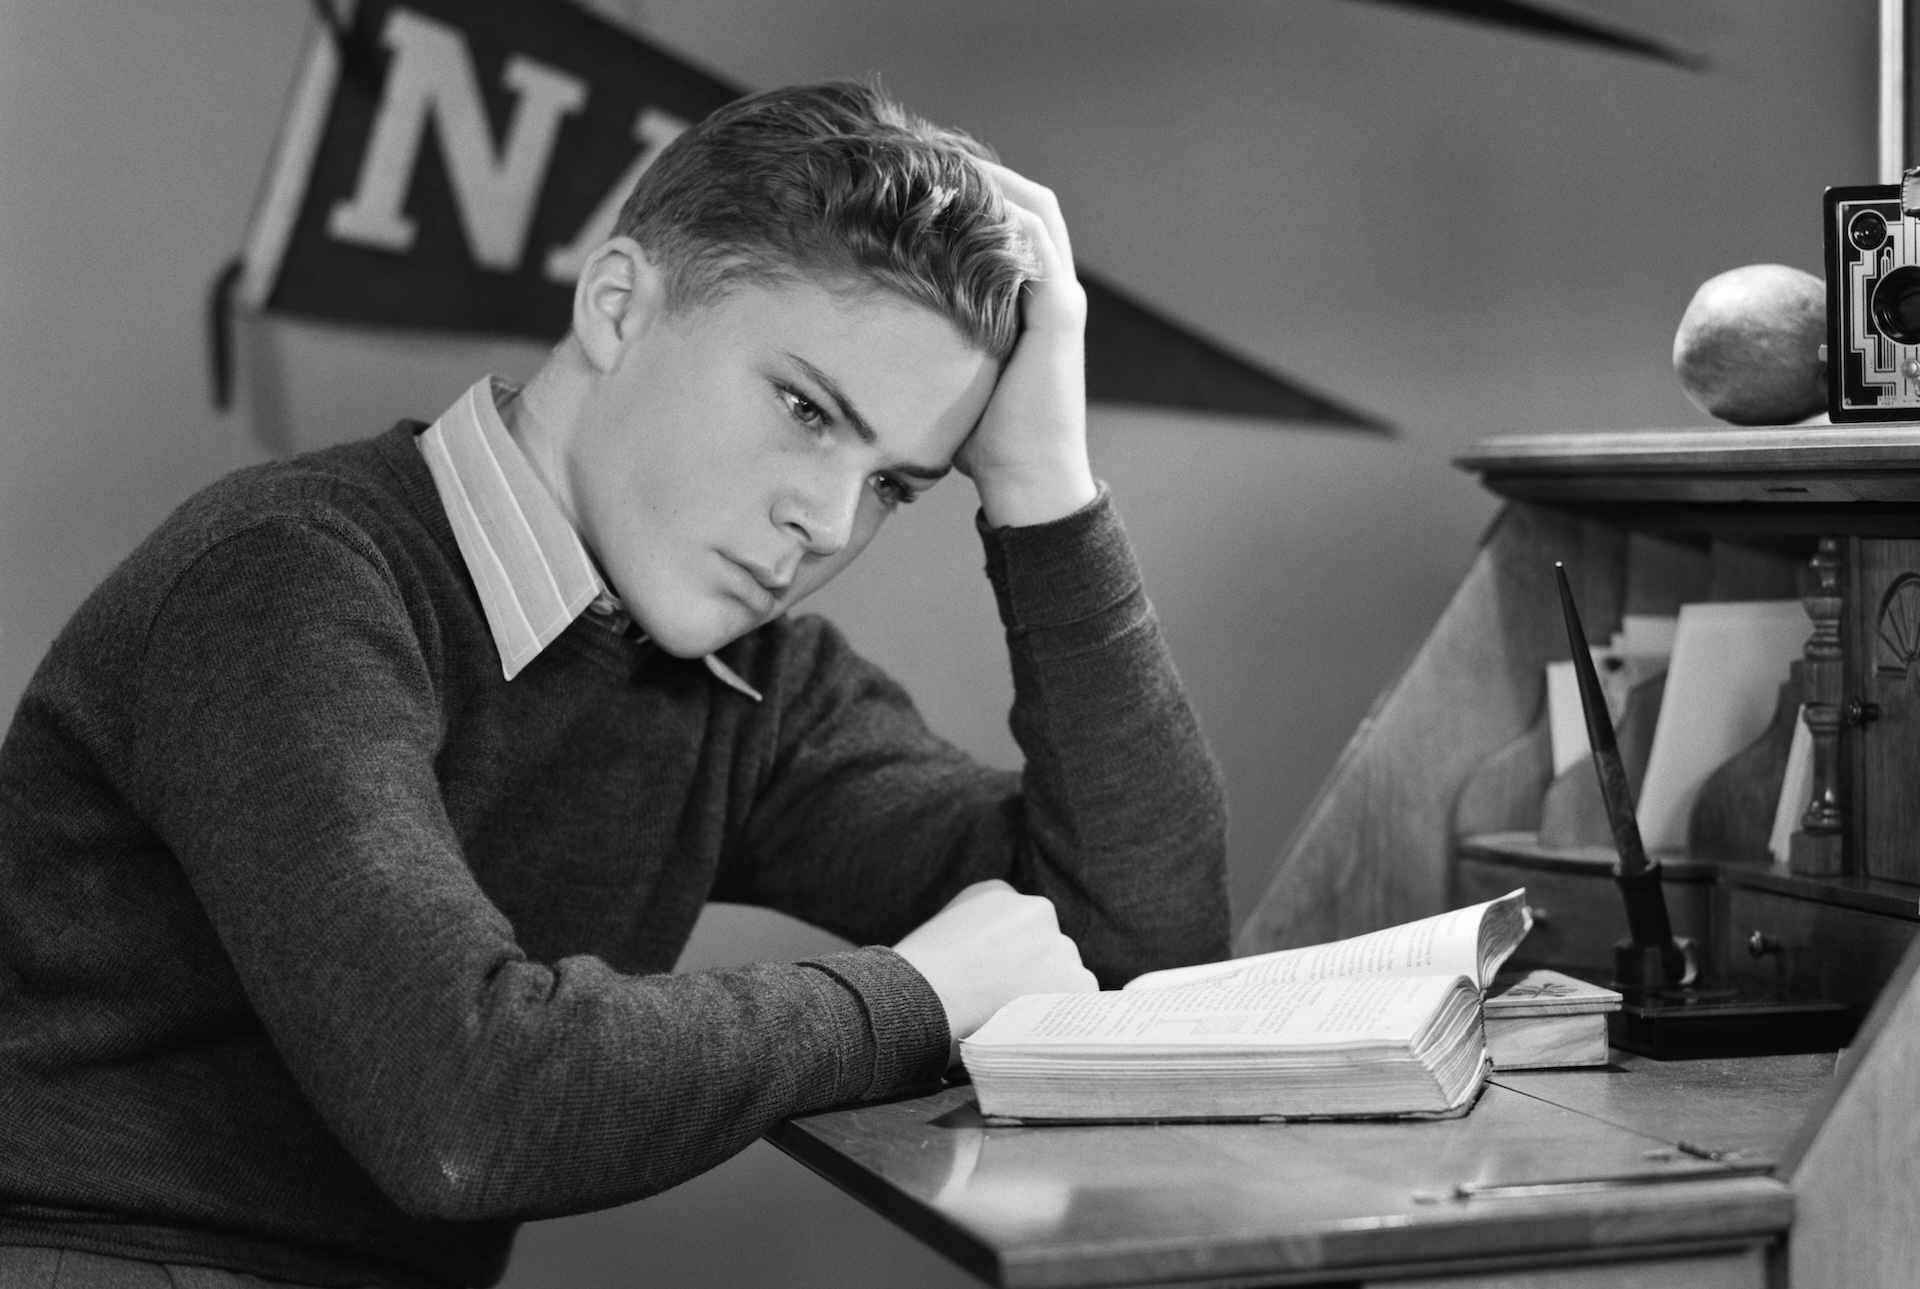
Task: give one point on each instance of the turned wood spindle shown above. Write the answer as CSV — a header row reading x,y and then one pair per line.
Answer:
x,y
1818,849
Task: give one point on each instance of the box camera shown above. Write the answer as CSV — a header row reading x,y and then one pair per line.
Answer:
x,y
1873,301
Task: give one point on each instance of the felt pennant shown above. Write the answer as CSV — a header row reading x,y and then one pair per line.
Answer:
x,y
1558,21
446,165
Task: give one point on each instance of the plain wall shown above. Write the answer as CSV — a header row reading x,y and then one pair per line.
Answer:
x,y
1459,229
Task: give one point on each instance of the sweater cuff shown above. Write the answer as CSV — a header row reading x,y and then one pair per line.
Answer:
x,y
907,1040
1060,573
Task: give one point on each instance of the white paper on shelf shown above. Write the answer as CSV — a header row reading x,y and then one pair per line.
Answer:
x,y
1645,635
1566,723
1618,672
1796,790
1722,687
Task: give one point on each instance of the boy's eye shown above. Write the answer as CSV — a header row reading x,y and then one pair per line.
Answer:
x,y
803,409
892,492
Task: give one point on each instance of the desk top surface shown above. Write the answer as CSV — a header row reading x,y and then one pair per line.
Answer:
x,y
1153,1203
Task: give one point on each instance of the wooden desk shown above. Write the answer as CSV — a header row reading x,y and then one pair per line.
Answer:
x,y
1289,1204
1437,801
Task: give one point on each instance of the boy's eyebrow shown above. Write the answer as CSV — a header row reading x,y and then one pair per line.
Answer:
x,y
839,396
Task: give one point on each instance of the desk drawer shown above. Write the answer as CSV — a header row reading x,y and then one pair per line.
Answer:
x,y
1862,949
1578,917
1744,1269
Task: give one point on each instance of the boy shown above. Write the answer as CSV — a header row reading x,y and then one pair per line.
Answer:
x,y
345,831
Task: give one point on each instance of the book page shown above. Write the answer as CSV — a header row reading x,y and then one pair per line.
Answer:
x,y
1446,944
1298,1013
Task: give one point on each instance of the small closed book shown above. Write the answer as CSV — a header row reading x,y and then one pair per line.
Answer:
x,y
1540,1020
1382,1025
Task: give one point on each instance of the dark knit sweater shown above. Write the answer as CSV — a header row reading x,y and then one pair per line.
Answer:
x,y
328,955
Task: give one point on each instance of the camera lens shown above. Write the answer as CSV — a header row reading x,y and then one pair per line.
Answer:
x,y
1896,305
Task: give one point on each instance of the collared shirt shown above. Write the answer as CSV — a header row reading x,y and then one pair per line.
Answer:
x,y
532,570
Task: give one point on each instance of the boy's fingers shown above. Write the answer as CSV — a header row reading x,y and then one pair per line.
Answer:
x,y
1058,301
1035,199
1053,265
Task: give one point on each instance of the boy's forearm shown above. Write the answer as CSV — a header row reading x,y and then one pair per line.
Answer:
x,y
1125,818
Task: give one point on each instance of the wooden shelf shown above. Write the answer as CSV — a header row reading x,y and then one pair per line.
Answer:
x,y
1862,894
1523,850
1794,465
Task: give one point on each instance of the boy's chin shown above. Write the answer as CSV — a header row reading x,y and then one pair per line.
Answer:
x,y
698,636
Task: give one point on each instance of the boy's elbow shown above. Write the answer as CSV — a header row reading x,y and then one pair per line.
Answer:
x,y
442,1172
440,1186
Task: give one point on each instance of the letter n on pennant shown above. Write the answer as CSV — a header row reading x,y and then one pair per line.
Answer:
x,y
432,76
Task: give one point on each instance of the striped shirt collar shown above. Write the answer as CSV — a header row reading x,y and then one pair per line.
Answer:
x,y
532,571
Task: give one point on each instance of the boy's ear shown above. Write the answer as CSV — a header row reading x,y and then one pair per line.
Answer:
x,y
619,292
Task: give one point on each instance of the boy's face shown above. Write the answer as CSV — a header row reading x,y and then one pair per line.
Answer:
x,y
740,454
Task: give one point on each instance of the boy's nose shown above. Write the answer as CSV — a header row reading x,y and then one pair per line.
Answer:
x,y
821,515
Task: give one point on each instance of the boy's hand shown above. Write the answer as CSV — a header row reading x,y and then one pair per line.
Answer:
x,y
991,944
1028,455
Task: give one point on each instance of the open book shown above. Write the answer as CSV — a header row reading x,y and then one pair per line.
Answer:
x,y
1384,1024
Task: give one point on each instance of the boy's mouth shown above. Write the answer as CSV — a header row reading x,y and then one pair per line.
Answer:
x,y
760,588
